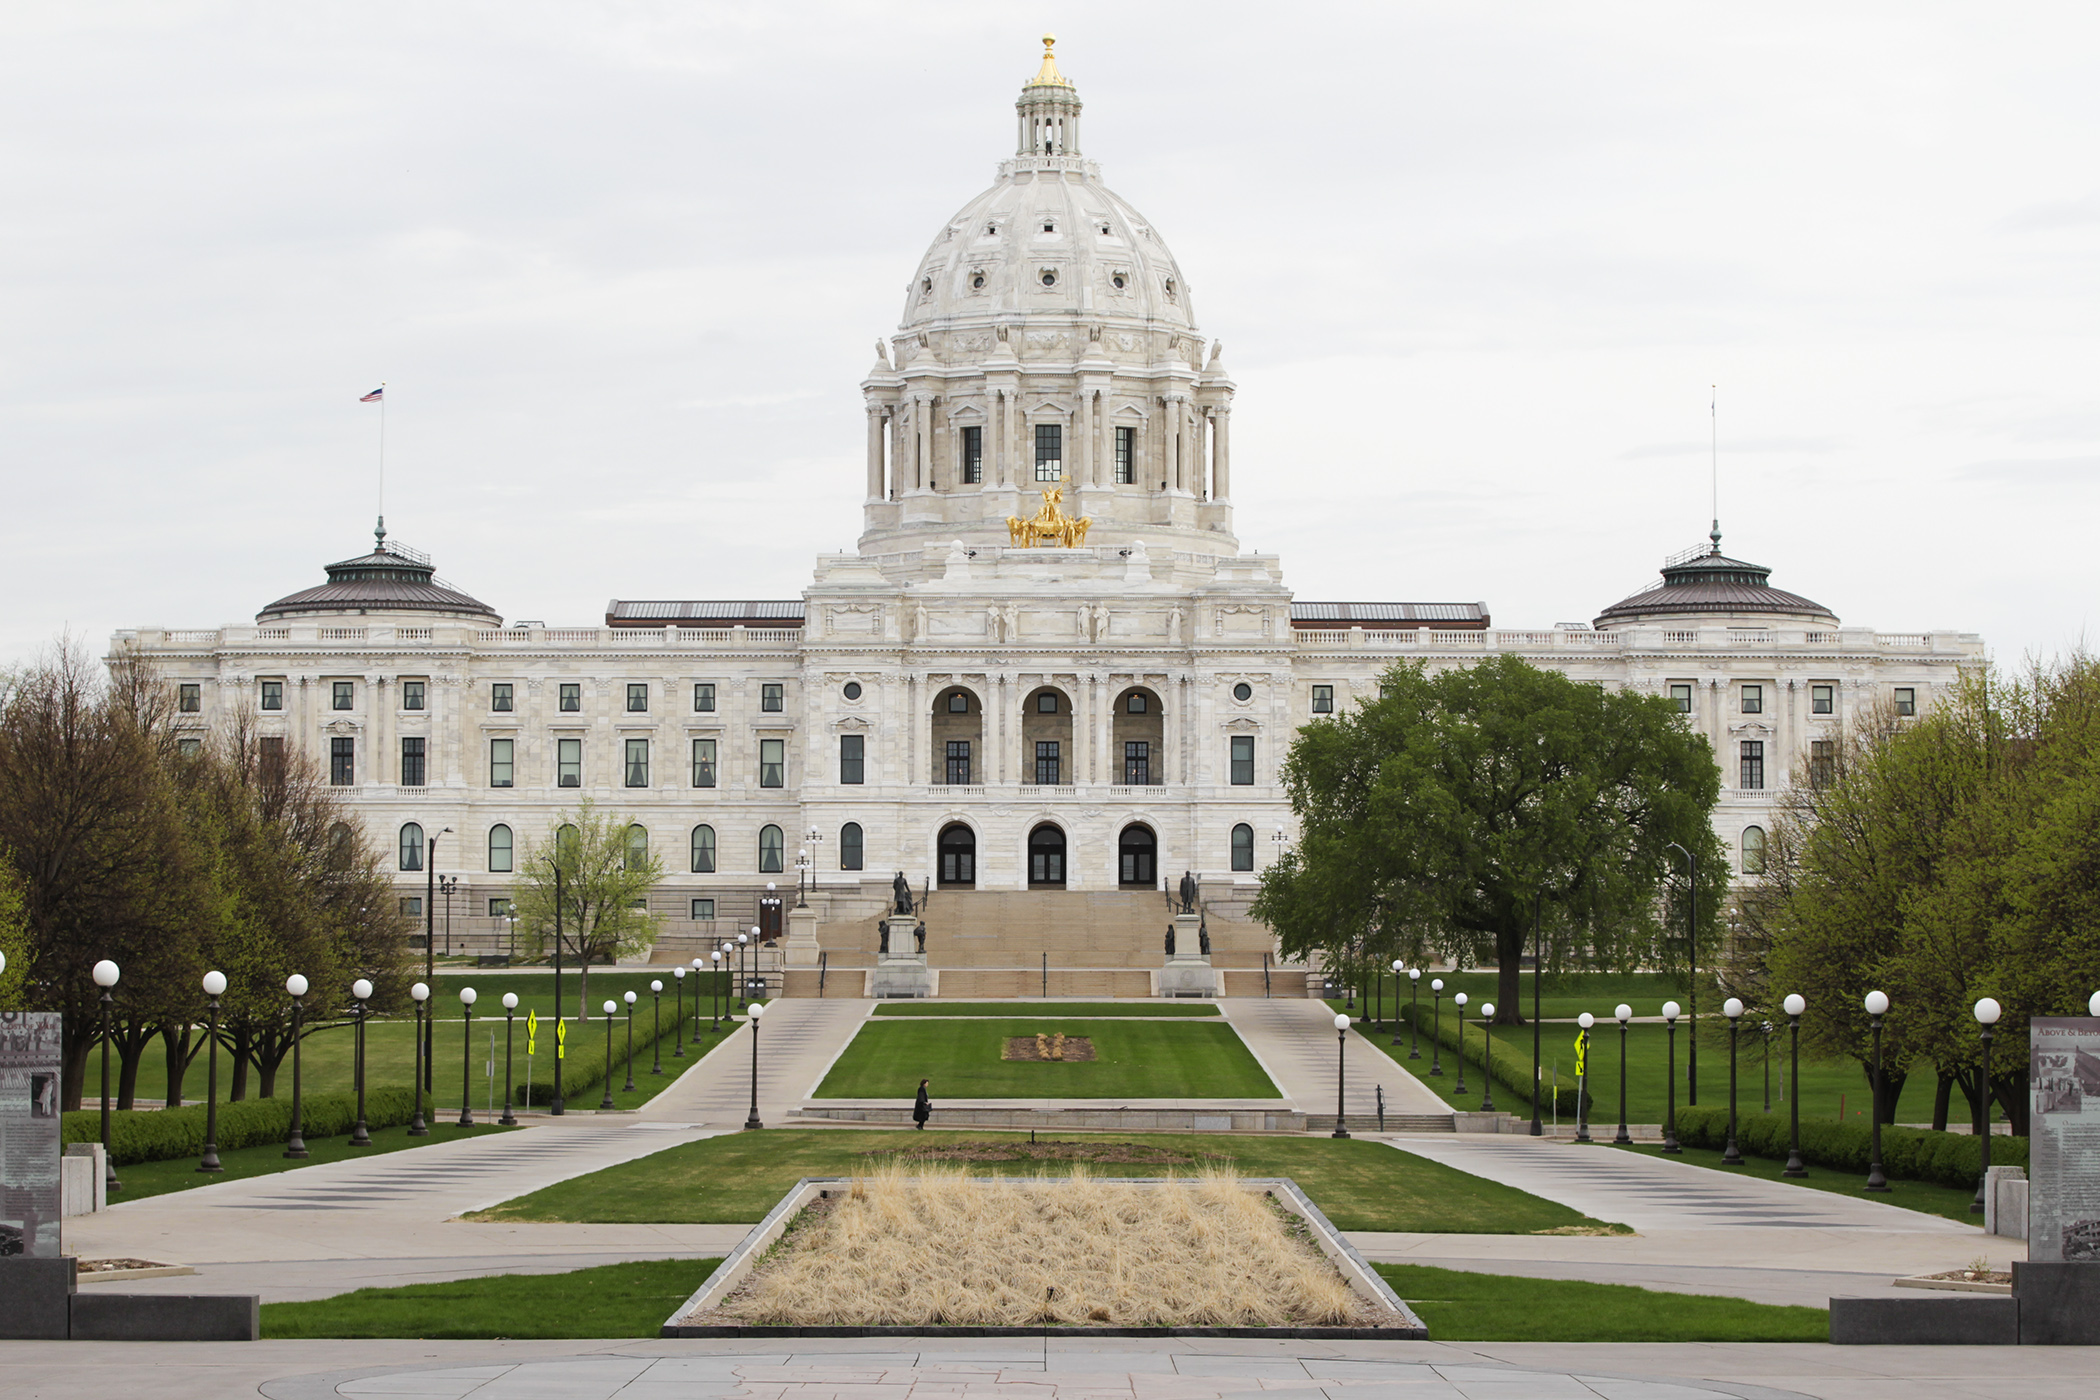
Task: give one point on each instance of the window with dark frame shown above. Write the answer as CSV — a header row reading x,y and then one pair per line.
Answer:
x,y
772,698
189,698
771,849
958,760
342,762
772,763
411,846
972,456
1126,456
1243,847
703,909
502,763
1136,704
1822,762
958,702
1137,763
1753,850
500,697
1906,700
1822,699
1046,762
1753,699
853,755
704,855
850,844
571,701
273,695
1681,696
568,763
703,697
343,694
1323,699
499,907
269,751
636,855
188,748
411,761
500,847
1049,451
1242,760
638,698
637,765
1046,703
1752,764
412,905
412,695
703,763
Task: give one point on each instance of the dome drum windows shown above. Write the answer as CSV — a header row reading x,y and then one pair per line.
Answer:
x,y
1047,276
1119,279
977,279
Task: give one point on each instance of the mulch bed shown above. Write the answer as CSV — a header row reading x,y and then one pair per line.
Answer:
x,y
1056,1046
1118,1152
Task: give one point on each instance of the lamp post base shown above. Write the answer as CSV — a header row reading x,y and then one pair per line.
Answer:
x,y
1794,1167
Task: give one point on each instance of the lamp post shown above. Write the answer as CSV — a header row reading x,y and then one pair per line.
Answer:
x,y
214,987
106,977
295,1145
467,997
1622,1013
361,993
1671,1010
428,1029
1582,1080
1764,1055
628,1087
1414,1003
1487,1050
1341,1069
1794,1005
510,1022
656,1014
1691,984
753,1122
811,840
1877,1004
446,885
678,1017
1987,1013
1398,968
743,958
1460,1002
1733,1010
1436,1023
1538,965
610,1009
802,878
420,993
557,1108
715,993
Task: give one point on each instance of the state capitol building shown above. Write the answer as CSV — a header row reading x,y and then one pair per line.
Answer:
x,y
1047,664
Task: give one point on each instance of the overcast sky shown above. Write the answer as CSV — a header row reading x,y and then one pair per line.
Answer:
x,y
1475,267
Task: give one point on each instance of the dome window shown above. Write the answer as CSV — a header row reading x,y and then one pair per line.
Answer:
x,y
1118,281
926,286
1049,277
1049,226
976,281
1170,289
1107,231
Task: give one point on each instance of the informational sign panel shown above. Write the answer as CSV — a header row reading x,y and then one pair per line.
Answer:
x,y
2063,1201
29,1129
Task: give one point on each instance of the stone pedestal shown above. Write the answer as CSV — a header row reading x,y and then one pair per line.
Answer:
x,y
901,969
1188,972
800,947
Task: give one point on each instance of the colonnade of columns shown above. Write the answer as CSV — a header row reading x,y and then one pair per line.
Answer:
x,y
1188,445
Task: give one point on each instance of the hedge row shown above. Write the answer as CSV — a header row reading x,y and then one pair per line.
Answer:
x,y
1908,1154
161,1135
584,1070
1511,1069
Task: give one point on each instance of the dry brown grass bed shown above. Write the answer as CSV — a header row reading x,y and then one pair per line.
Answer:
x,y
944,1250
992,1150
1047,1046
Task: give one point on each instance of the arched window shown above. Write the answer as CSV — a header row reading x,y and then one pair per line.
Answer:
x,y
703,850
770,848
958,852
850,846
1753,850
1243,847
1137,853
499,849
637,847
411,847
342,846
568,842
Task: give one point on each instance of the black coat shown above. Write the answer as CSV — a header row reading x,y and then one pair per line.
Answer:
x,y
922,1107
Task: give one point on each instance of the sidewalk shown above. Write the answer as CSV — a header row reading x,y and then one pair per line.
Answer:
x,y
1293,1038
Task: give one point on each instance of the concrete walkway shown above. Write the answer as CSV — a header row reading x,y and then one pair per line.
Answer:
x,y
1293,1038
799,1039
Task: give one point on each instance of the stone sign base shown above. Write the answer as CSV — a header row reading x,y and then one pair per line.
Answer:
x,y
2051,1304
1188,975
38,1302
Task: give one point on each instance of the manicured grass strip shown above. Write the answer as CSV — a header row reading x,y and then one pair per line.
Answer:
x,y
1570,994
1927,1197
1467,1307
1133,1060
740,1176
180,1174
613,1300
1036,1009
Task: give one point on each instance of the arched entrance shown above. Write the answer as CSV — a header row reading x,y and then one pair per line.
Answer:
x,y
1137,857
1046,856
958,853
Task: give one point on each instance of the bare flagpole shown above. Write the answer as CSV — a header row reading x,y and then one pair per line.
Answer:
x,y
1713,418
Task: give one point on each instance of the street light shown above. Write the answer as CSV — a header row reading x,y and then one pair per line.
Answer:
x,y
1877,1004
678,1020
743,942
1414,1024
1460,1002
656,1021
295,1145
1341,1069
1987,1013
1436,1044
753,1122
467,997
610,1008
1691,983
812,838
1671,1010
715,993
1622,1013
361,993
510,1020
446,885
1582,1080
421,994
1764,1055
214,987
1487,1050
1733,1010
428,1030
1794,1005
1398,968
106,977
628,1087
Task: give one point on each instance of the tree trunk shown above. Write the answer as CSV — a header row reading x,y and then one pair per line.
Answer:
x,y
129,1053
74,1070
2011,1091
1509,977
1891,1089
175,1041
1941,1098
237,1052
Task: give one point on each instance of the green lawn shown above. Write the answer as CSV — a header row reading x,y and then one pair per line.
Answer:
x,y
1047,1008
1467,1307
1927,1196
1134,1060
615,1300
142,1179
1570,994
740,1176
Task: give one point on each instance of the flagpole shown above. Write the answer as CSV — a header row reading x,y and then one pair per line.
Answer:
x,y
382,455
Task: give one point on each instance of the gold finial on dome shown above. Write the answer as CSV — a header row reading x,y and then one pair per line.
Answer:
x,y
1047,75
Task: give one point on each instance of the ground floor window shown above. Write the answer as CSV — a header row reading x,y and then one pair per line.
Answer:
x,y
1137,857
958,855
850,846
1046,856
1243,847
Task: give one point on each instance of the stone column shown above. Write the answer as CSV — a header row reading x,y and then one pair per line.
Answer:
x,y
875,483
1085,475
1221,454
1105,730
1082,729
384,760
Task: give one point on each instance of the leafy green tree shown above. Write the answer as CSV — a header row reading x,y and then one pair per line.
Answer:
x,y
608,867
14,937
1463,804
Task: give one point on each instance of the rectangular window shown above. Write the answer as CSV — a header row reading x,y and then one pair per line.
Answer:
x,y
853,754
269,752
189,748
502,769
1049,451
1753,699
1046,764
273,695
1822,699
412,763
703,763
959,762
1822,762
703,909
1753,764
1681,696
412,905
637,763
704,698
638,699
1243,760
1126,456
1323,700
772,763
343,693
568,763
571,701
189,698
411,695
499,697
342,762
771,698
1906,701
1137,764
499,907
972,456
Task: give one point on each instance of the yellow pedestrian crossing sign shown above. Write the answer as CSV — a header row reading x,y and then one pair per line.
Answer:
x,y
561,1039
1582,1049
532,1031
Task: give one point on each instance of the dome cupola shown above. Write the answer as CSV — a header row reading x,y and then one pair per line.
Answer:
x,y
1704,585
391,579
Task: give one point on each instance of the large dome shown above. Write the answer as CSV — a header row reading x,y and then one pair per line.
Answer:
x,y
1707,586
391,579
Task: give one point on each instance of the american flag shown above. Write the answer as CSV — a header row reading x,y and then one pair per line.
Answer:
x,y
375,396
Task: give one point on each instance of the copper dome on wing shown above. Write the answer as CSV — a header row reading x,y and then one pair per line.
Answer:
x,y
391,579
1708,586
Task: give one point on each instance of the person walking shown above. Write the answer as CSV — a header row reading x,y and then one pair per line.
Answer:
x,y
922,1106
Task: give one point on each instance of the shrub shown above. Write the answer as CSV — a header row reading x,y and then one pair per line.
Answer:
x,y
1510,1069
160,1135
1908,1154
